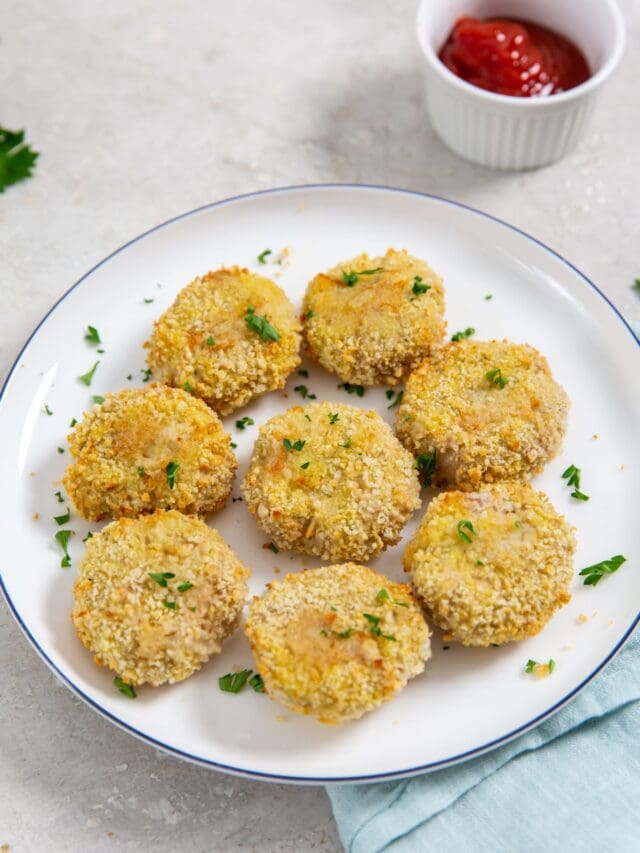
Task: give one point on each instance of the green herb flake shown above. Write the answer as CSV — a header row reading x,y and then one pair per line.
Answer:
x,y
419,287
62,519
518,523
124,688
233,682
244,422
343,635
47,410
87,377
17,159
73,422
426,465
188,387
261,326
374,623
234,445
593,574
309,315
184,587
97,399
496,378
146,374
352,389
273,548
466,530
636,284
62,538
579,496
58,495
256,683
346,445
210,341
172,472
305,465
92,335
296,445
140,471
551,665
572,476
170,605
397,400
488,297
147,301
304,392
61,450
161,578
88,536
479,563
334,417
308,418
389,394
262,257
382,595
530,665
304,373
459,336
350,278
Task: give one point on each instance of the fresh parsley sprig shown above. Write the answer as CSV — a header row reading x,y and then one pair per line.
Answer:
x,y
261,325
594,574
419,287
352,389
233,682
459,336
16,158
62,538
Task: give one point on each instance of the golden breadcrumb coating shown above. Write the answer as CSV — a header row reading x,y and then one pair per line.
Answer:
x,y
203,342
481,432
122,447
338,641
120,612
382,326
345,493
508,580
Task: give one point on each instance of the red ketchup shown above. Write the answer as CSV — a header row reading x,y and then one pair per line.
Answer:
x,y
516,58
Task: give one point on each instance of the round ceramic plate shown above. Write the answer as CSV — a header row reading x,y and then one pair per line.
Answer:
x,y
498,280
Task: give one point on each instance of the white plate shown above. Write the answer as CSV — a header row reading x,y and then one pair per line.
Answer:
x,y
467,700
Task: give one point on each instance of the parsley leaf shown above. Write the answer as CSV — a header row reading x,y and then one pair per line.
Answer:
x,y
172,472
426,465
16,158
233,682
593,574
62,519
305,465
257,683
92,335
62,538
296,445
244,422
183,587
261,326
170,605
97,399
124,688
496,378
352,389
47,410
346,445
146,374
262,257
87,377
304,373
350,278
466,530
465,334
304,392
161,578
397,400
210,341
419,287
334,417
376,630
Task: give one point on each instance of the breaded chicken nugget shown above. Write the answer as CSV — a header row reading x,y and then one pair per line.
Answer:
x,y
491,411
492,566
372,320
148,448
337,642
155,597
331,480
229,336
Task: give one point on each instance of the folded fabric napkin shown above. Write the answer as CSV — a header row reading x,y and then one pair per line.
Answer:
x,y
571,784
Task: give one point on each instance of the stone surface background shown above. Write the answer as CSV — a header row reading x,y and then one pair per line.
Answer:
x,y
143,110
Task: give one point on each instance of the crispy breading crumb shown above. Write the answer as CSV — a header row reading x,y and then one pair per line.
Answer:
x,y
381,327
120,612
582,618
36,516
503,584
122,447
354,494
542,670
203,340
329,643
483,433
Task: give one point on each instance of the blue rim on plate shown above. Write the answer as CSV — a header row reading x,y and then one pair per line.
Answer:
x,y
311,780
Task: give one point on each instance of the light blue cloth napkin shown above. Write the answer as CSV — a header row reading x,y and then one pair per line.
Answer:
x,y
572,784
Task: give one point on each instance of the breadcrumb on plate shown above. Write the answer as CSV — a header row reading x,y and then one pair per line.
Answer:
x,y
380,327
338,641
122,448
203,341
492,566
157,630
332,481
483,430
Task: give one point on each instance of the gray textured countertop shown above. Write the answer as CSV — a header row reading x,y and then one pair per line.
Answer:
x,y
143,110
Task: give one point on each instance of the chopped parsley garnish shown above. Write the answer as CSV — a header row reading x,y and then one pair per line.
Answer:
x,y
261,325
397,400
233,682
147,301
334,417
73,422
593,574
146,374
161,578
343,635
88,536
466,530
350,278
419,287
47,410
305,465
98,399
496,378
233,445
273,548
572,476
636,284
389,394
62,519
172,472
518,523
257,683
92,335
188,387
532,665
308,418
62,538
244,422
124,688
376,630
58,495
352,389
346,445
87,377
170,605
183,587
296,445
459,336
141,472
383,595
210,341
61,450
579,496
489,296
262,257
304,392
129,376
309,315
16,159
426,465
304,373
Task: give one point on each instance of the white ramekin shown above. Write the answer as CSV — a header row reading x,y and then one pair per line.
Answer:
x,y
517,133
